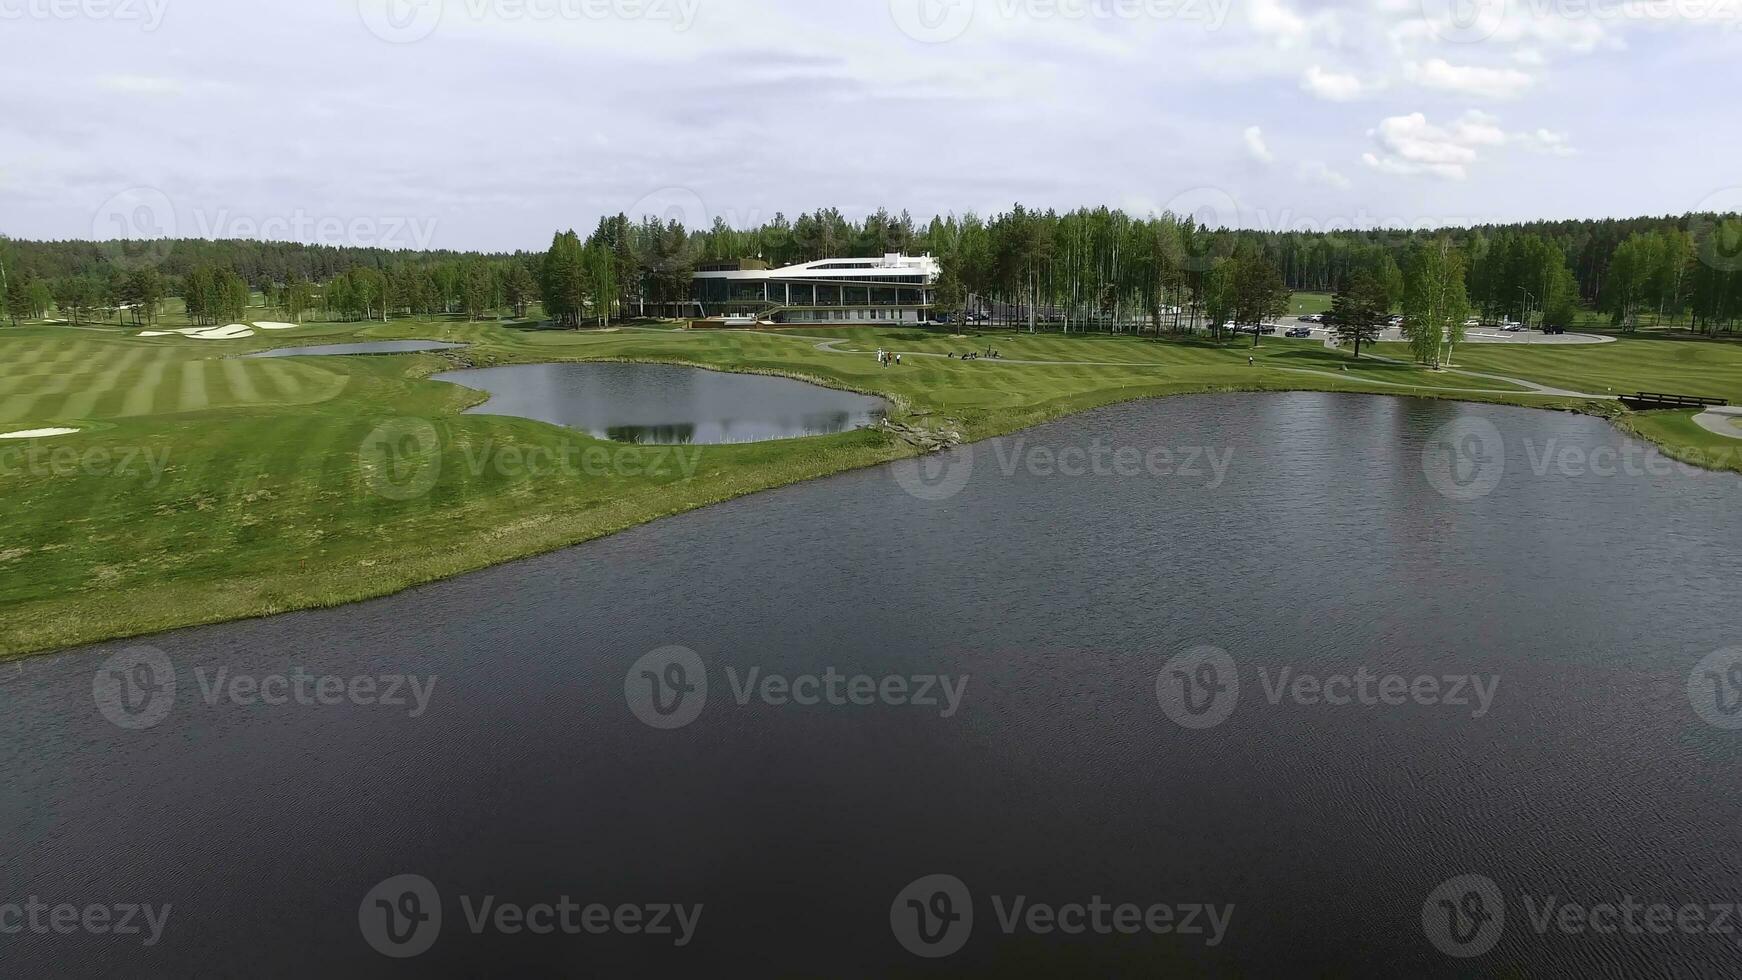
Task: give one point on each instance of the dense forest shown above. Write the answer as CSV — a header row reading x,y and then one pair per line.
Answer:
x,y
1095,269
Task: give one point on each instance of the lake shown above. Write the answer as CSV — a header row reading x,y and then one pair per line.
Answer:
x,y
370,347
667,404
1039,720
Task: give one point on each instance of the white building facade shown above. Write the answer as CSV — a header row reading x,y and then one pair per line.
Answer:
x,y
892,289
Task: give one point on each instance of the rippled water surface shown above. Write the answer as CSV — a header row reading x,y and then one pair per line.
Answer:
x,y
1304,537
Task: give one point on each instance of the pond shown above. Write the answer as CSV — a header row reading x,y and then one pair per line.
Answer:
x,y
667,403
1021,610
370,347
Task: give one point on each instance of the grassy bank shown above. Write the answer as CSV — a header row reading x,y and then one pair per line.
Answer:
x,y
203,487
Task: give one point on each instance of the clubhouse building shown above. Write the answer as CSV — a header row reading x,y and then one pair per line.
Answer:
x,y
893,289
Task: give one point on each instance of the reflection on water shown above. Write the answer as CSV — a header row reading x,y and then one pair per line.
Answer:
x,y
663,435
665,404
814,424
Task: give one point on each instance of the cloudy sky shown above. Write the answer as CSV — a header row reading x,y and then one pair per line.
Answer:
x,y
489,123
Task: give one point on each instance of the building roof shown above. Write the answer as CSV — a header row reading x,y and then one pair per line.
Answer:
x,y
894,264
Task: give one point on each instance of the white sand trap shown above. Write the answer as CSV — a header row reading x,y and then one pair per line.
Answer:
x,y
235,331
157,333
267,325
36,433
1725,420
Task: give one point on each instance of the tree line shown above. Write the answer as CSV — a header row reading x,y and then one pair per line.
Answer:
x,y
1088,269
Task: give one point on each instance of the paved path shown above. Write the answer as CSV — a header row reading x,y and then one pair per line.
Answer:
x,y
1725,421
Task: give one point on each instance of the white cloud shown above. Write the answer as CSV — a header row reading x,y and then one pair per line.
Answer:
x,y
1413,145
1404,168
1487,83
1546,141
1274,17
1255,145
139,84
1315,171
1332,86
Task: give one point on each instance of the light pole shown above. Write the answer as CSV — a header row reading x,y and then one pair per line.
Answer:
x,y
1525,319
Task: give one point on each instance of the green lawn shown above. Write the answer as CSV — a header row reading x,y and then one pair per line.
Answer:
x,y
205,488
1631,364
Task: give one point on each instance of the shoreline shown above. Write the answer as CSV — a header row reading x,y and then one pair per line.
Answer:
x,y
266,594
356,587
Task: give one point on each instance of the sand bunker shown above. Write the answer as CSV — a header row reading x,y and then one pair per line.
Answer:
x,y
267,325
1724,420
36,433
235,331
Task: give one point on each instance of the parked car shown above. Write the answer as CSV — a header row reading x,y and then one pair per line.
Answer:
x,y
1513,328
1309,318
1300,332
1267,329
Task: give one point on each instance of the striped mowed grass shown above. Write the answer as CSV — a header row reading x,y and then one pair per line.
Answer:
x,y
52,376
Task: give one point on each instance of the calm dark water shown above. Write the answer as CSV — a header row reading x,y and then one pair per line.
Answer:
x,y
667,404
371,347
1323,548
